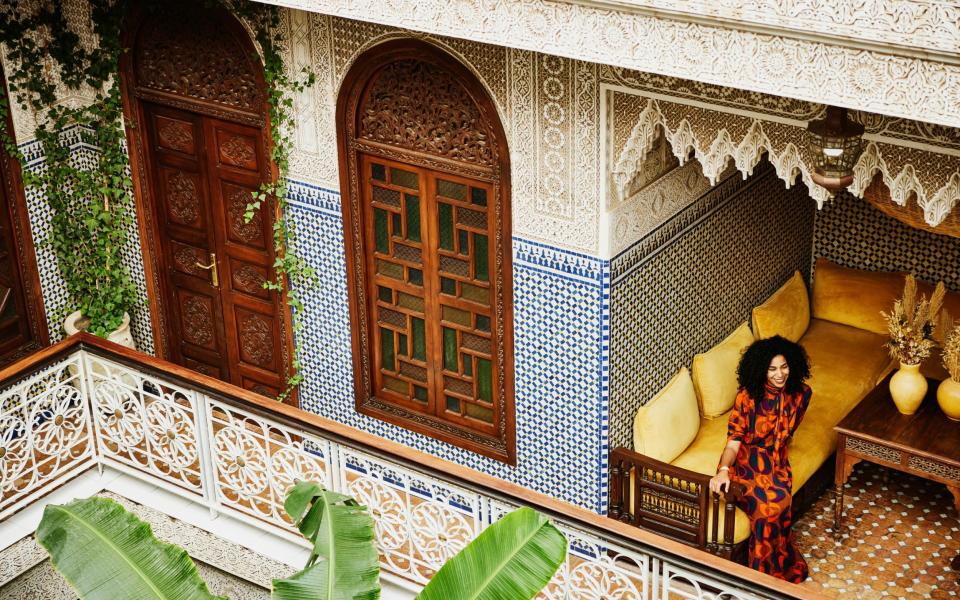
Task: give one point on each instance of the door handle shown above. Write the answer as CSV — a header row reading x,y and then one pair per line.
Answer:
x,y
212,267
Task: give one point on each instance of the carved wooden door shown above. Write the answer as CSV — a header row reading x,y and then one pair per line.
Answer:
x,y
222,322
17,336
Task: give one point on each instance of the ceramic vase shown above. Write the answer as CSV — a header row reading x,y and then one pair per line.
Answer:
x,y
907,388
121,335
948,397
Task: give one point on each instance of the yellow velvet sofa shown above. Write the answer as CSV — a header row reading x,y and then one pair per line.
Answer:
x,y
661,484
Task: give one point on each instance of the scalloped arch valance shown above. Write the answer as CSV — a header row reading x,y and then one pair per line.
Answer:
x,y
920,183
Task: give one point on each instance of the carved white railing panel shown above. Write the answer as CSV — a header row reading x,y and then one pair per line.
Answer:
x,y
594,569
87,410
420,521
146,424
44,433
256,461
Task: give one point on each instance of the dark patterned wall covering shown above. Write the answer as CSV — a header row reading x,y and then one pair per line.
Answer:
x,y
690,282
851,232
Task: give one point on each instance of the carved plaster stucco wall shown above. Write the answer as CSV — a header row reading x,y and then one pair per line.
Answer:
x,y
549,107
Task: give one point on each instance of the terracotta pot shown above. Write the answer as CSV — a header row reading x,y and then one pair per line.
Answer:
x,y
121,335
948,397
907,388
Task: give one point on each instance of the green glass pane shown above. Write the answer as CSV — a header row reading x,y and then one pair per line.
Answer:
x,y
462,242
484,380
481,413
446,226
387,358
419,339
478,196
415,276
467,364
480,266
381,230
392,270
483,323
411,302
397,224
449,189
404,178
475,293
455,315
448,286
413,218
420,393
402,344
450,349
396,385
385,294
379,172
453,404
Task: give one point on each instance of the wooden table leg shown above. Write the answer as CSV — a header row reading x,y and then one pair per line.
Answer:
x,y
838,480
956,496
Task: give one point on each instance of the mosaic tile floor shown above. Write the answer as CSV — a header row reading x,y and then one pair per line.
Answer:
x,y
901,532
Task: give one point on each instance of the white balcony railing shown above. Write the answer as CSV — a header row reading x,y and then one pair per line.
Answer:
x,y
87,403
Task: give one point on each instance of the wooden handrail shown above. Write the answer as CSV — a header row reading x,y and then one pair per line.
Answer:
x,y
720,569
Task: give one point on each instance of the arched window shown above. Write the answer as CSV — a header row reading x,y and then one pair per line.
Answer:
x,y
425,177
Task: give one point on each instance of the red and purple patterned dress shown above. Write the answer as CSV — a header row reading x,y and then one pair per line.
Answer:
x,y
764,430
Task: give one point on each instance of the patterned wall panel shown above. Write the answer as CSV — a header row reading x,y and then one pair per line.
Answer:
x,y
851,232
689,283
549,107
53,287
560,337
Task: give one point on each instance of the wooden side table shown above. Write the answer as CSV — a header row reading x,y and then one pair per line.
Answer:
x,y
926,443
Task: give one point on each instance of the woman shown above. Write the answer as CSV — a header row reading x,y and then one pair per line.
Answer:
x,y
769,407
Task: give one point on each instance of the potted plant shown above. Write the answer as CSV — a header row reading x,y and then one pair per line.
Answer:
x,y
948,394
911,327
89,194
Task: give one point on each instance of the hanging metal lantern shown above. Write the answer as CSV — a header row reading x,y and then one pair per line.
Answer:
x,y
837,143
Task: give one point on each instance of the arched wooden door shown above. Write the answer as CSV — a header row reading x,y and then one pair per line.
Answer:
x,y
200,148
23,326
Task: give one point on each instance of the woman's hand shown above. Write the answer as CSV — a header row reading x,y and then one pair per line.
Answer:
x,y
720,482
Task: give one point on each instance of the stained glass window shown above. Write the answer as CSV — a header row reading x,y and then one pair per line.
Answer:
x,y
431,289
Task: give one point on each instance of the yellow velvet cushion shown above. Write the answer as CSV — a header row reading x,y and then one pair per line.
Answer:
x,y
785,313
666,425
715,373
854,297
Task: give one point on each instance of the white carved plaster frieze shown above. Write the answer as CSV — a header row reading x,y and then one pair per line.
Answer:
x,y
881,79
720,138
922,24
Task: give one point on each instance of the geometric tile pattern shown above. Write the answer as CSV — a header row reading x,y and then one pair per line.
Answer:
x,y
853,233
689,283
559,339
900,534
53,288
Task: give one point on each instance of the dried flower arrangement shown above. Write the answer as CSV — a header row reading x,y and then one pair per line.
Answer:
x,y
911,323
950,342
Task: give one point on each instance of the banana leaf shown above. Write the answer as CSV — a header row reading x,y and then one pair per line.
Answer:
x,y
105,552
344,564
512,559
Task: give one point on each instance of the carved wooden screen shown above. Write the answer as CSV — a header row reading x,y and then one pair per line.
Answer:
x,y
428,246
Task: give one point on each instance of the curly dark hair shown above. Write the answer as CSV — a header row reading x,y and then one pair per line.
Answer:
x,y
752,370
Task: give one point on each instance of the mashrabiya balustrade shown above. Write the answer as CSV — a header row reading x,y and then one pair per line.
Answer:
x,y
88,405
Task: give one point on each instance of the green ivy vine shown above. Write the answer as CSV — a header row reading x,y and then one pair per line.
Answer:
x,y
92,203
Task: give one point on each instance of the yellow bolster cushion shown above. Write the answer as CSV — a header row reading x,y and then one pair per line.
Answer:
x,y
666,425
715,373
785,313
855,298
